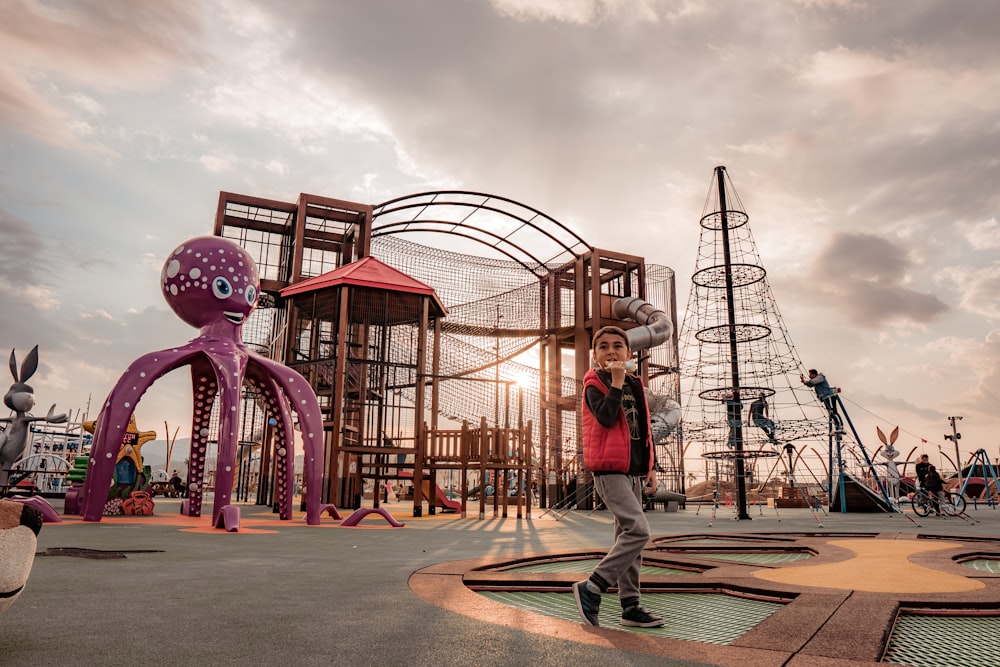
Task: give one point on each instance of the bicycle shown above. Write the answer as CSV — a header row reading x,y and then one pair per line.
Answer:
x,y
954,504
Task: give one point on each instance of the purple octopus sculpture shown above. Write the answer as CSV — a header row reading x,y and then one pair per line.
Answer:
x,y
212,284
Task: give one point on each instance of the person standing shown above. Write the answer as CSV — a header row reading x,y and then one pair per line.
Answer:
x,y
934,487
758,415
826,394
618,450
921,469
178,486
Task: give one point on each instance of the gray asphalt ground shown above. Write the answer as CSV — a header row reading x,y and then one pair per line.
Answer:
x,y
329,595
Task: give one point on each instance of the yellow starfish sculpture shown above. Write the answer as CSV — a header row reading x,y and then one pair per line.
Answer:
x,y
132,442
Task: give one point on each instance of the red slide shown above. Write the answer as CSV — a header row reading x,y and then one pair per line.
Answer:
x,y
442,498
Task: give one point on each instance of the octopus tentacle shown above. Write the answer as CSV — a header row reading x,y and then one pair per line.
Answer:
x,y
228,359
114,418
284,443
303,401
204,388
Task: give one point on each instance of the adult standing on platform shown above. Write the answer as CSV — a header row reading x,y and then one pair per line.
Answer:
x,y
825,393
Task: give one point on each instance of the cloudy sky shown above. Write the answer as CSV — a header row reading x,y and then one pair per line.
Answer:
x,y
862,138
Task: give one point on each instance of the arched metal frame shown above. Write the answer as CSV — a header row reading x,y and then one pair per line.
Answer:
x,y
521,233
427,212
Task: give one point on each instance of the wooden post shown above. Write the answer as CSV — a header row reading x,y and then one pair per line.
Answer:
x,y
483,448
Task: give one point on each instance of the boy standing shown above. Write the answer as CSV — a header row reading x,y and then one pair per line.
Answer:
x,y
758,414
618,449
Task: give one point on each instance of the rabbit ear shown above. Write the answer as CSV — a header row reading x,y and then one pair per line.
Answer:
x,y
30,364
13,364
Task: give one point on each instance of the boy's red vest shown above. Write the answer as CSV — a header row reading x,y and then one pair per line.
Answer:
x,y
608,449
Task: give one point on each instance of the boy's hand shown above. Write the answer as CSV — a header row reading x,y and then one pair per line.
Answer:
x,y
617,371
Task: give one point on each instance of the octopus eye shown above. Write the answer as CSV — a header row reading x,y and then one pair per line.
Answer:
x,y
221,288
251,294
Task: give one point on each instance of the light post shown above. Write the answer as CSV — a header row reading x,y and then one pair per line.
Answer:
x,y
955,437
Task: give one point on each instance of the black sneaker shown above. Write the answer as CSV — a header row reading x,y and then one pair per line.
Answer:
x,y
587,603
637,617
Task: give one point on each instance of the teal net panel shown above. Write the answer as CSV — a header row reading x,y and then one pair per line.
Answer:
x,y
944,641
675,543
586,566
760,558
991,565
712,618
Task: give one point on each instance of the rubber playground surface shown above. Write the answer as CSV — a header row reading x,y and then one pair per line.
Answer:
x,y
799,588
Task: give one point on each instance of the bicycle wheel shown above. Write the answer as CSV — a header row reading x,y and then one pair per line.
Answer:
x,y
955,504
921,506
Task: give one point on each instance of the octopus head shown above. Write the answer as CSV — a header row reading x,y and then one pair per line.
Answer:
x,y
209,279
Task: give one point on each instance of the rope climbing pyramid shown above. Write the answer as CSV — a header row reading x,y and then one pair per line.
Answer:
x,y
745,406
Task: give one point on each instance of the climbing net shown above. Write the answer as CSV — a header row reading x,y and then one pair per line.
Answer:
x,y
733,329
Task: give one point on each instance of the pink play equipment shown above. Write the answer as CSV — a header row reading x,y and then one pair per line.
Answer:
x,y
359,514
49,514
212,284
332,511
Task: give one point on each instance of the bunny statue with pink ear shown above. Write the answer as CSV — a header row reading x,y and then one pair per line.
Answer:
x,y
20,398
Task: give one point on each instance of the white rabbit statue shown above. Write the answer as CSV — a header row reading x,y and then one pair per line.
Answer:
x,y
20,398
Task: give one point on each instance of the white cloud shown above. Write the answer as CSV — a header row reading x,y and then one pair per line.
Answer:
x,y
843,66
979,288
82,128
99,313
253,85
570,11
40,296
217,163
86,104
276,167
982,235
583,12
103,46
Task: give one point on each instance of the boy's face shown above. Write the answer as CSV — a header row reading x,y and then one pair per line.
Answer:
x,y
610,347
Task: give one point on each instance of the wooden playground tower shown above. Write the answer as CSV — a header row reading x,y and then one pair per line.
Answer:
x,y
369,339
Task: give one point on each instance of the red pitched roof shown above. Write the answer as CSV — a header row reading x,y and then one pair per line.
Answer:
x,y
366,272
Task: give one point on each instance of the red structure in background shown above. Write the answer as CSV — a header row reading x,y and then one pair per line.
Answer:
x,y
461,358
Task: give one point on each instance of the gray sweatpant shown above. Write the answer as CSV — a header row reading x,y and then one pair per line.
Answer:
x,y
623,496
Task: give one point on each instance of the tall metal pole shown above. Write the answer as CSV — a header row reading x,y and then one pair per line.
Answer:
x,y
736,417
496,389
955,437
